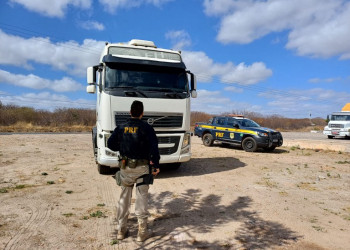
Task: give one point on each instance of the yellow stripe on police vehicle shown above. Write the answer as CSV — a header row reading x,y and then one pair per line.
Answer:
x,y
244,131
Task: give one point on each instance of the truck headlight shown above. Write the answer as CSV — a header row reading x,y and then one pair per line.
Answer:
x,y
263,134
187,140
110,153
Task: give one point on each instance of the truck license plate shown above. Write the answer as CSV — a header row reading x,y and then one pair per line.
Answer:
x,y
335,133
275,140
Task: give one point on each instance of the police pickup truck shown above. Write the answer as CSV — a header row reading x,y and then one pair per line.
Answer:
x,y
238,130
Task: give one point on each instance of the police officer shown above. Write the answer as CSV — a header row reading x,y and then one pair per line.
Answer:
x,y
138,146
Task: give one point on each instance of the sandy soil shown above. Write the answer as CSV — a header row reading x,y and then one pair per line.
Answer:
x,y
52,197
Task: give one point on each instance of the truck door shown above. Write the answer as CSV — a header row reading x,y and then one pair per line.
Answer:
x,y
232,134
219,128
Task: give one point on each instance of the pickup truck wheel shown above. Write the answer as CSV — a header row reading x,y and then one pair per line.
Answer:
x,y
102,169
208,140
330,137
249,144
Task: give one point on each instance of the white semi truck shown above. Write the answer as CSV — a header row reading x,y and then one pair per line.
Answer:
x,y
339,124
138,70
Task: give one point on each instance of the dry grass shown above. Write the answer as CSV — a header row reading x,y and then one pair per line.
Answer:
x,y
24,119
28,127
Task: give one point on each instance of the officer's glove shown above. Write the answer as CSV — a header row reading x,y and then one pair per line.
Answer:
x,y
155,171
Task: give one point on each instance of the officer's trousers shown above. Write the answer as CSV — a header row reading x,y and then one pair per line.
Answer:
x,y
129,177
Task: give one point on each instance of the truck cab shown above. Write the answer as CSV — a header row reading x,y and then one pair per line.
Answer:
x,y
339,125
240,131
138,70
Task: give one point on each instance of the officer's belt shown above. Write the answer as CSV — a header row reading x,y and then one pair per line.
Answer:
x,y
133,163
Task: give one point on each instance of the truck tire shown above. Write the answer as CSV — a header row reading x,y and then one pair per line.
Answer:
x,y
249,144
330,137
102,169
94,142
208,140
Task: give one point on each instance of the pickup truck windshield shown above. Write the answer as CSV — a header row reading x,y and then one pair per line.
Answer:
x,y
146,78
248,123
340,118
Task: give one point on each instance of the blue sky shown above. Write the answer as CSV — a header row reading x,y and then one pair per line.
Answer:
x,y
284,57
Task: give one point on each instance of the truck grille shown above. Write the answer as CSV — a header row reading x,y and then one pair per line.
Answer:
x,y
336,125
159,121
168,140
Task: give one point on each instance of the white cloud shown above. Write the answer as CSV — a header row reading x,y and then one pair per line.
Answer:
x,y
92,25
299,103
54,8
46,101
233,89
210,102
65,84
325,80
324,38
293,103
70,56
246,75
222,7
74,58
213,102
113,5
205,69
318,28
179,38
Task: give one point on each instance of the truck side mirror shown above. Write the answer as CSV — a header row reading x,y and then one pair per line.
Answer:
x,y
91,89
194,93
193,85
193,82
91,74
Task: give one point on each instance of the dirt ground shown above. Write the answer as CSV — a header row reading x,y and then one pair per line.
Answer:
x,y
52,197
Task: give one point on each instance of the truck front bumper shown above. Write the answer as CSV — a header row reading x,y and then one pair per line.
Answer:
x,y
175,158
174,147
265,142
336,133
108,161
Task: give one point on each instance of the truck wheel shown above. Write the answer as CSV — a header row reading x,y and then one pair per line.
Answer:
x,y
249,144
102,169
208,140
94,142
330,137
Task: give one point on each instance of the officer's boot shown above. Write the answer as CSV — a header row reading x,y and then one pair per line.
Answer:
x,y
122,233
144,233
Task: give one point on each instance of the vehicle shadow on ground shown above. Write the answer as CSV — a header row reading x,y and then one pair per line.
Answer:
x,y
259,150
195,167
201,166
341,138
188,213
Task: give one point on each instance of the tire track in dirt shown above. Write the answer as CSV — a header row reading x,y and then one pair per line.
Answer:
x,y
40,214
106,228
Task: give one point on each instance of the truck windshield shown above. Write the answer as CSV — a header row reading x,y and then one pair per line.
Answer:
x,y
340,118
248,123
146,78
